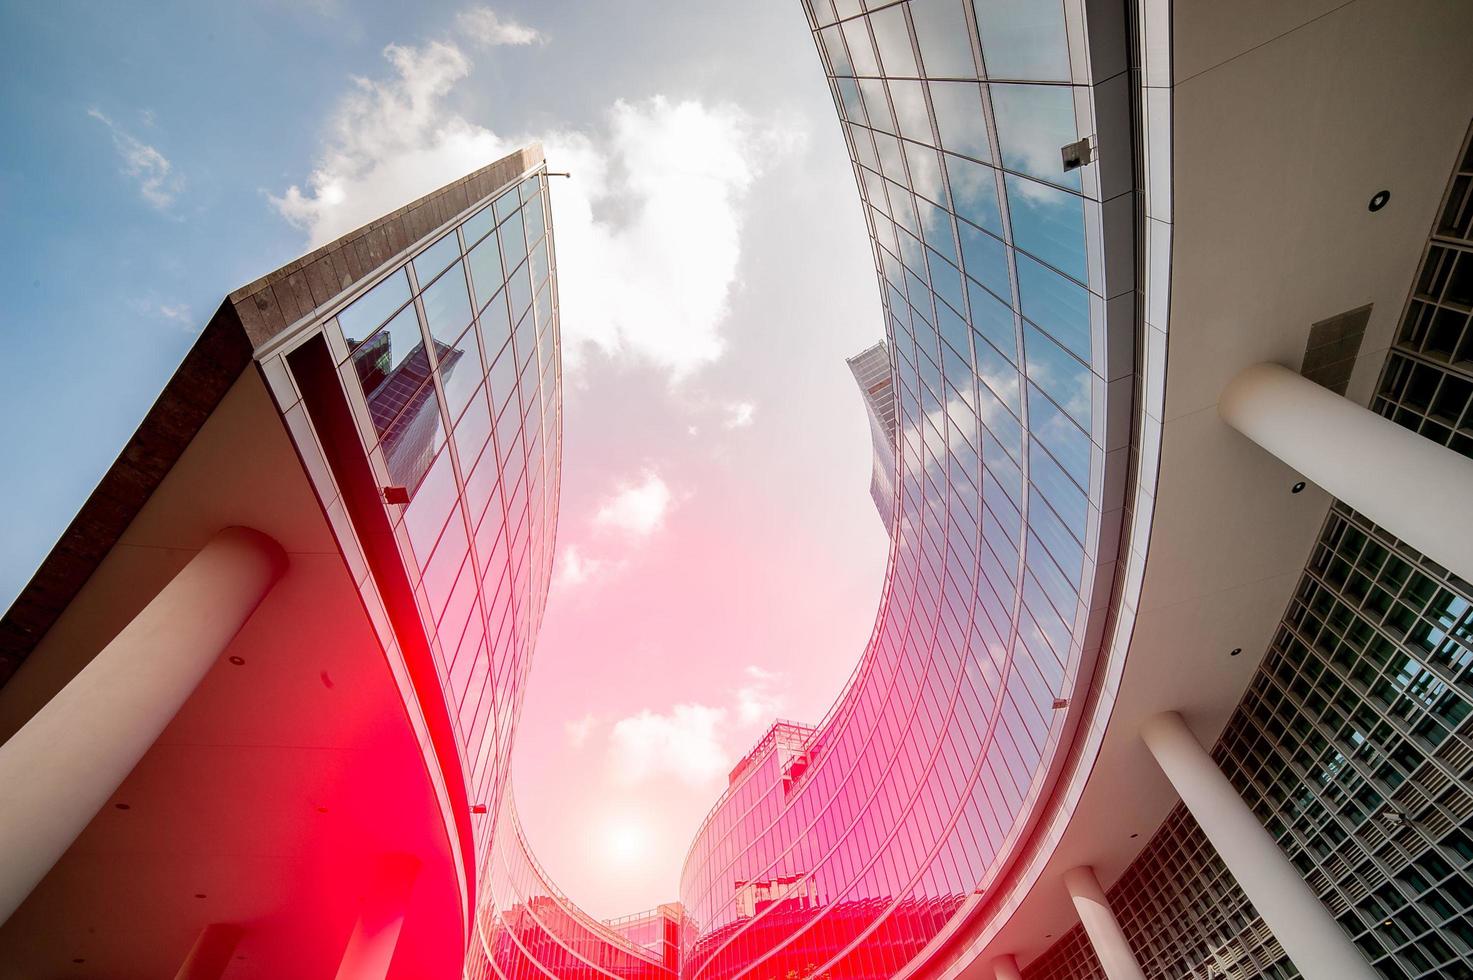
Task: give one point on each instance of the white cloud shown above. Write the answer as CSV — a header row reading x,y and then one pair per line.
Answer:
x,y
638,508
176,314
757,702
575,568
487,28
155,175
686,744
740,414
648,230
578,731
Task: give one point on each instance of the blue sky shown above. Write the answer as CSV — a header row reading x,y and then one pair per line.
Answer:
x,y
714,273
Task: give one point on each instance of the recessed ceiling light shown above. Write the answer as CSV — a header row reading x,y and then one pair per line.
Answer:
x,y
1379,200
322,809
238,661
1235,651
1134,836
1297,488
200,895
122,806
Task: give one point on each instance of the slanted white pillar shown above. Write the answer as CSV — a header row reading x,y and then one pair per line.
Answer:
x,y
61,767
1407,484
211,952
1105,934
1301,923
1006,968
371,946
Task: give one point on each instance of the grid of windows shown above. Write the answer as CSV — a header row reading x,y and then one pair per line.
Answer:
x,y
529,930
916,788
455,355
1437,329
1352,744
1353,747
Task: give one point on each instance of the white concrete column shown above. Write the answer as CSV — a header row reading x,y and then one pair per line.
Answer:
x,y
1105,934
371,945
1006,968
61,767
1301,923
211,952
1406,483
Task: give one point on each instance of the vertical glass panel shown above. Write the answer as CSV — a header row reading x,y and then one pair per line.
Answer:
x,y
538,264
1056,304
833,45
864,147
485,265
534,219
892,160
1062,377
426,513
945,40
993,319
894,40
495,326
473,429
460,370
519,287
850,99
959,119
985,258
861,51
974,193
909,99
1068,444
474,228
431,261
1049,223
413,438
925,172
391,365
506,204
374,307
876,104
513,242
936,228
1034,123
447,304
1024,39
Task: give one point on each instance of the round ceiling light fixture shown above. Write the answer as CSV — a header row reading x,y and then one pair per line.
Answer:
x,y
1378,201
1235,651
1298,487
238,661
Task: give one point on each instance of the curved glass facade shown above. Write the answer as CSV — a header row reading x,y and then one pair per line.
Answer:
x,y
529,929
852,856
449,359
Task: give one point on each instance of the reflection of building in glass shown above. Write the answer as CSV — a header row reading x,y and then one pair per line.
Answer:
x,y
871,369
656,930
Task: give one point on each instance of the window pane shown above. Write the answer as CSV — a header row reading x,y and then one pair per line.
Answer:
x,y
1049,223
391,365
374,307
1034,122
431,261
413,438
1055,304
946,43
959,118
447,304
485,264
1023,39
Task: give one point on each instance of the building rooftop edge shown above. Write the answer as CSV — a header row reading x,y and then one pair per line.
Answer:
x,y
247,318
